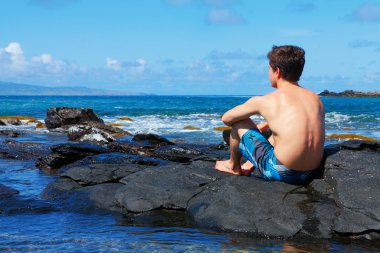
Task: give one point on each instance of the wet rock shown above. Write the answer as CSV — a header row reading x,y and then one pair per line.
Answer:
x,y
11,149
101,173
10,122
361,145
12,203
321,187
152,139
89,134
130,148
226,136
7,192
249,205
55,189
155,218
62,116
173,153
113,159
114,131
10,133
18,206
101,196
165,187
72,197
177,153
182,153
82,124
68,153
354,177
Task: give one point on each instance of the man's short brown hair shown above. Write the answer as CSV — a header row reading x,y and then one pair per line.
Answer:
x,y
289,59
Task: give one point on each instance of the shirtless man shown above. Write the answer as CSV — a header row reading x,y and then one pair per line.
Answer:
x,y
294,114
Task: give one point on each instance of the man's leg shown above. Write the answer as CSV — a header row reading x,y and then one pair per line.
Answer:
x,y
233,165
247,167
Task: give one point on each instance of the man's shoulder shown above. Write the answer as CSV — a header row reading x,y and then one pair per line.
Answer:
x,y
273,95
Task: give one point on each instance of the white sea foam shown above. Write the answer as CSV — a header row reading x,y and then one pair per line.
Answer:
x,y
334,117
163,124
173,126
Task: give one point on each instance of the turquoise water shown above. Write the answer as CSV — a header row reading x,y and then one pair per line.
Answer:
x,y
41,228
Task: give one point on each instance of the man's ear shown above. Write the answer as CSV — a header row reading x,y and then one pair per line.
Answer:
x,y
278,73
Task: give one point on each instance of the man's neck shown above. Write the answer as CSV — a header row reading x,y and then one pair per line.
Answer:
x,y
284,83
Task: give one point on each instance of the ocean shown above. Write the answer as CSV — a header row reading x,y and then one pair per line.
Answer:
x,y
42,230
168,115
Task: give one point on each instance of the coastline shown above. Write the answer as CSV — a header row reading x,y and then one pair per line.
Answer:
x,y
351,94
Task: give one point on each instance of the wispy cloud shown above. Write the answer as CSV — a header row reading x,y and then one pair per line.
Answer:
x,y
365,44
365,13
233,55
224,16
297,33
136,67
301,6
218,11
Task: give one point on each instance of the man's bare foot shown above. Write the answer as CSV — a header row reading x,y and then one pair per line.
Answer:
x,y
227,166
247,168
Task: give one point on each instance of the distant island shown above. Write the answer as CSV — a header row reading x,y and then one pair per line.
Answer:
x,y
16,89
350,93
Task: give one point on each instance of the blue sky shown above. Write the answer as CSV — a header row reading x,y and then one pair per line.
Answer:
x,y
187,46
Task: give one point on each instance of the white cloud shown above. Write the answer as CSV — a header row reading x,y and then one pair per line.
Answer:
x,y
113,64
49,64
16,67
136,67
224,16
140,67
12,57
44,58
366,13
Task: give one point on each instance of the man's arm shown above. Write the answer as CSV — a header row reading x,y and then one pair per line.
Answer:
x,y
243,111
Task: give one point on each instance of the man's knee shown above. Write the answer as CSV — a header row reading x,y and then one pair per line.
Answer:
x,y
242,126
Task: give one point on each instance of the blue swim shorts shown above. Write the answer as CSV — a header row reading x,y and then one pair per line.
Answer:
x,y
257,149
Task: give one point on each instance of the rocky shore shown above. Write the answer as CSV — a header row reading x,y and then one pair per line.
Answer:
x,y
148,179
350,93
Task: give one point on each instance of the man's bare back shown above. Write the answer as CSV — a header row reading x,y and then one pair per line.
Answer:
x,y
296,118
